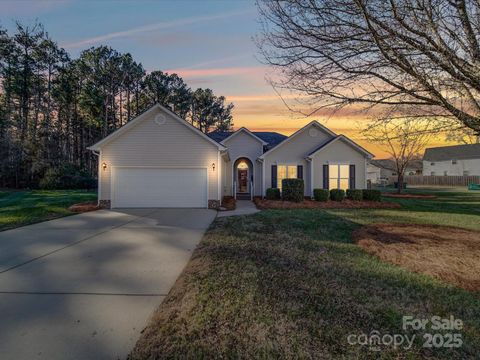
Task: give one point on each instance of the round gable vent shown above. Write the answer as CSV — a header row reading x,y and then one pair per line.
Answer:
x,y
160,119
313,132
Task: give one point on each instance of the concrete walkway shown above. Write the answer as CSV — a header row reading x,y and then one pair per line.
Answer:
x,y
244,207
83,287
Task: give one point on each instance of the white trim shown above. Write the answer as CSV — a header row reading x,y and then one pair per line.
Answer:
x,y
219,170
311,178
112,177
312,123
349,142
100,173
234,176
240,130
263,179
143,117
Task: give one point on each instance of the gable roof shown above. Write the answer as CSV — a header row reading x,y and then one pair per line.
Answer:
x,y
245,130
312,123
344,139
457,152
270,137
144,116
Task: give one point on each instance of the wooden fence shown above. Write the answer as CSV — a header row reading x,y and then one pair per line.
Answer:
x,y
434,180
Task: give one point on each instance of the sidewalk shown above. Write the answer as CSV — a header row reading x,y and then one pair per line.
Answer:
x,y
244,207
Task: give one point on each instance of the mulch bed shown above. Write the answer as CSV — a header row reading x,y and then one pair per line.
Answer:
x,y
446,253
229,203
310,204
84,207
409,196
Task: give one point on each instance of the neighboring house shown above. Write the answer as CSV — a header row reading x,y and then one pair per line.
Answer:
x,y
373,173
459,160
388,171
160,160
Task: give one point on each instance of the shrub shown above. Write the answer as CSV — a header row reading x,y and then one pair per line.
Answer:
x,y
321,194
273,194
354,194
66,177
372,195
337,194
293,190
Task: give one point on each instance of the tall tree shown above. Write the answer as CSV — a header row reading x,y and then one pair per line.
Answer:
x,y
402,139
167,89
394,53
209,112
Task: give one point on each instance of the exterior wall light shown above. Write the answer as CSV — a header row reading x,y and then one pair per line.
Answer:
x,y
213,166
104,166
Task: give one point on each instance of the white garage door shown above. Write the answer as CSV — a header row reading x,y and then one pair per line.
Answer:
x,y
159,187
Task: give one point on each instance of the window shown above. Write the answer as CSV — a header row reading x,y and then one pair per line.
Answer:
x,y
285,172
432,163
432,173
339,176
454,162
466,173
445,173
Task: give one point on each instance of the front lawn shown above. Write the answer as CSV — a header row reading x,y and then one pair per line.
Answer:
x,y
19,208
292,284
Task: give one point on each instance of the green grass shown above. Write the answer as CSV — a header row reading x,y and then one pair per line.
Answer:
x,y
19,208
291,284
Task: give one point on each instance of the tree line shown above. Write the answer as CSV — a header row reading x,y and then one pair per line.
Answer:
x,y
52,106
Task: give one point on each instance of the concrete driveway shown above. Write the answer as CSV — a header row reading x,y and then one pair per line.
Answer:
x,y
83,287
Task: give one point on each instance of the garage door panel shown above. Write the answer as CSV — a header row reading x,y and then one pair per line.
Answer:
x,y
159,187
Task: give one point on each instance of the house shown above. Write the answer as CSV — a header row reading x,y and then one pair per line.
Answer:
x,y
458,160
160,160
388,170
373,173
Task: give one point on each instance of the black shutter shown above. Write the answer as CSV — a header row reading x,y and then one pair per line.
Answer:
x,y
274,176
352,177
299,171
325,176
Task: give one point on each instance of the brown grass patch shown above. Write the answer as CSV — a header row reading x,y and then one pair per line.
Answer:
x,y
310,204
84,207
409,196
446,253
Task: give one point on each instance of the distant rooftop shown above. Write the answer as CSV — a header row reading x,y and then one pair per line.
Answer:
x,y
270,137
457,152
389,164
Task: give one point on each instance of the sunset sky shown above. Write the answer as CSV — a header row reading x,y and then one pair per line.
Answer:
x,y
208,43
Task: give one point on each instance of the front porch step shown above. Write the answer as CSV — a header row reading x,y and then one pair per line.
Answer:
x,y
243,196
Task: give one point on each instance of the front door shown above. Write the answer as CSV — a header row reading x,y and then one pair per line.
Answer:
x,y
242,180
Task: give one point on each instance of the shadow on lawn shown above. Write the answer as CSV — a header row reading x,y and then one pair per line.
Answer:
x,y
286,283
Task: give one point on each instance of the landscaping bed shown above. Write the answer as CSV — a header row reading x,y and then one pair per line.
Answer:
x,y
447,253
311,204
84,207
228,203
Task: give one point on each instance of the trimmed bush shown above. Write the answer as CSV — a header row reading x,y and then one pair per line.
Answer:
x,y
273,194
321,194
66,177
337,194
372,195
354,194
293,190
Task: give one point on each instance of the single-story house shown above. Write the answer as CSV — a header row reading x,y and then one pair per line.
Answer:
x,y
458,160
388,170
373,173
161,160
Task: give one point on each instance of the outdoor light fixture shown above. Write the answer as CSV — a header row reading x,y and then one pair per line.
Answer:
x,y
213,166
104,166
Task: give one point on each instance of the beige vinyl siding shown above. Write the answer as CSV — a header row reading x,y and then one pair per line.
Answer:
x,y
171,144
294,152
339,153
243,145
